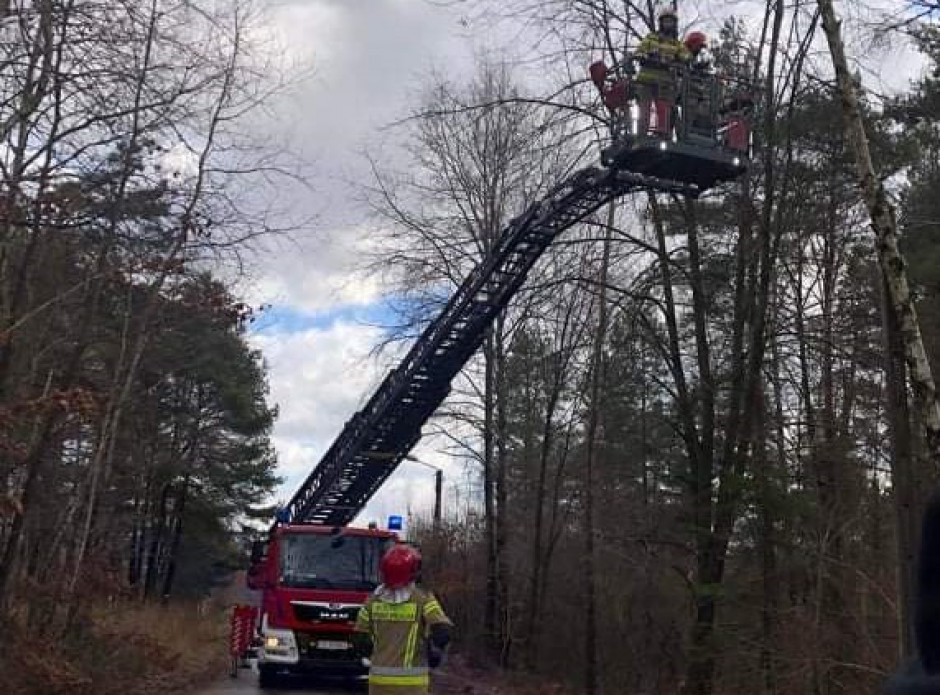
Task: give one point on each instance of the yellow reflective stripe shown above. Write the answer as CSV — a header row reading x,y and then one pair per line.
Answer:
x,y
399,671
362,619
394,612
411,646
433,609
399,680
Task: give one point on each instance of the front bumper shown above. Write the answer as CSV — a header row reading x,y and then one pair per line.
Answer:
x,y
303,656
325,667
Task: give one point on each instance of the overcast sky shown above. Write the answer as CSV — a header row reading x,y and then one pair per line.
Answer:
x,y
369,57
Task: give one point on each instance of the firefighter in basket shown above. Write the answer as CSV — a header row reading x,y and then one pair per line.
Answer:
x,y
402,628
700,89
661,56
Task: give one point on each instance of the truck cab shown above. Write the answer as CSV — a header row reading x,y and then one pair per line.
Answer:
x,y
314,579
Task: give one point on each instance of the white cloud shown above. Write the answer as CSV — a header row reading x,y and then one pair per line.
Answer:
x,y
366,55
319,378
315,272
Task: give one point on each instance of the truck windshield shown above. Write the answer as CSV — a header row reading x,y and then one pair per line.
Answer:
x,y
331,562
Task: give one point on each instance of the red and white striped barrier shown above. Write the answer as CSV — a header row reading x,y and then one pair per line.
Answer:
x,y
242,625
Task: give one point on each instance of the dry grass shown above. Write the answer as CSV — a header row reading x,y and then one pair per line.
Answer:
x,y
127,649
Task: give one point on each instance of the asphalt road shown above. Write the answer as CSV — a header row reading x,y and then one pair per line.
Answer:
x,y
247,684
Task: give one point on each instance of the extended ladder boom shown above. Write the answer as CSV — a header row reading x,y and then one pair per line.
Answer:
x,y
377,438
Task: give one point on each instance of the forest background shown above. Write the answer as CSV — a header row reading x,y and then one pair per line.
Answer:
x,y
688,446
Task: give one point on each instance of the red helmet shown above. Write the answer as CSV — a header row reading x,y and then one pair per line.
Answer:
x,y
598,71
696,41
399,566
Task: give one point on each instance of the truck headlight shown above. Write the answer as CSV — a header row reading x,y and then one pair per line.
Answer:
x,y
279,641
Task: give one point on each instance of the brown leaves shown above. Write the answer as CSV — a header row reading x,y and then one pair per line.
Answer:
x,y
77,400
15,418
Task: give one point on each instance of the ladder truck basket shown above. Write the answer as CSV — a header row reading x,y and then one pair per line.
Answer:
x,y
242,624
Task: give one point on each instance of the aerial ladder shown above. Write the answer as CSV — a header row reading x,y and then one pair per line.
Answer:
x,y
700,154
306,614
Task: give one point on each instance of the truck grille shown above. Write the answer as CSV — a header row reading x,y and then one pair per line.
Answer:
x,y
308,612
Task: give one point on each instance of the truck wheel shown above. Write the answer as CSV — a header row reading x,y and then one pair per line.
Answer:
x,y
267,677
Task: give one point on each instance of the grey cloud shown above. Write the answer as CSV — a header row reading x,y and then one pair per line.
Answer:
x,y
319,378
366,55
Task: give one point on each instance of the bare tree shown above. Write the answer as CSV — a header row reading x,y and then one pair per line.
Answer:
x,y
123,152
901,322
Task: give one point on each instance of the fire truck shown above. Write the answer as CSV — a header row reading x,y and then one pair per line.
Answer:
x,y
313,581
314,570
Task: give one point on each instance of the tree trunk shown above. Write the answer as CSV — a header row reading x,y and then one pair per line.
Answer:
x,y
903,479
157,526
491,601
501,535
591,459
767,550
534,609
179,510
830,481
884,224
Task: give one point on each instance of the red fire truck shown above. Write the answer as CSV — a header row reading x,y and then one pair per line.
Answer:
x,y
313,580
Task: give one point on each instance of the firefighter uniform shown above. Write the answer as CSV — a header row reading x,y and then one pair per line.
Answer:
x,y
659,52
656,83
399,623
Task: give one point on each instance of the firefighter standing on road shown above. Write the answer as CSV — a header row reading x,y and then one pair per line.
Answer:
x,y
660,53
404,628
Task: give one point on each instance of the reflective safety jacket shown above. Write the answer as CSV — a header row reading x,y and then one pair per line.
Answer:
x,y
399,627
660,49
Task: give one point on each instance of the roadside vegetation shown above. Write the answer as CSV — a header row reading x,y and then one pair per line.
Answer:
x,y
123,648
695,440
134,425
